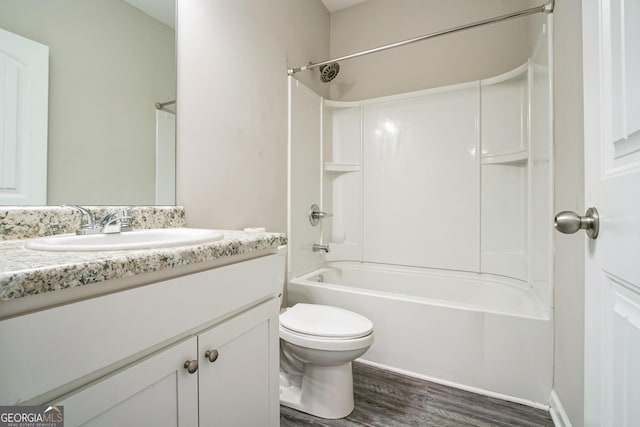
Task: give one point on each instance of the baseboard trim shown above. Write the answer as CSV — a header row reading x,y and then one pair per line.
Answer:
x,y
472,389
558,414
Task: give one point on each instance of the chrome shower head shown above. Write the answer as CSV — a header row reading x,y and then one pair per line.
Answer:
x,y
329,72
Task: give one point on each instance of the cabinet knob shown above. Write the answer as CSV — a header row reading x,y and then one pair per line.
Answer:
x,y
191,366
212,355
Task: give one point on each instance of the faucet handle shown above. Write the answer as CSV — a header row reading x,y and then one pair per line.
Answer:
x,y
87,221
315,215
116,221
125,219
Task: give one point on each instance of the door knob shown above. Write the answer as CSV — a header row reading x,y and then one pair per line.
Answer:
x,y
569,222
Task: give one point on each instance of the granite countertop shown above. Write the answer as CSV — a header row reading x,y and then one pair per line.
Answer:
x,y
25,272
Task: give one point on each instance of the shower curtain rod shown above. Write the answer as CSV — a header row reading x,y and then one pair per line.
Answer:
x,y
161,105
545,8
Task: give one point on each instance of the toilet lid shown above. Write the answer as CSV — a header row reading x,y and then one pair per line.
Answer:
x,y
325,321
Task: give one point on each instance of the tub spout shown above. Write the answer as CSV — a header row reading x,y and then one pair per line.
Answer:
x,y
321,248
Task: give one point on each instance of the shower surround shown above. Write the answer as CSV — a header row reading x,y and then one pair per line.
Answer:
x,y
441,229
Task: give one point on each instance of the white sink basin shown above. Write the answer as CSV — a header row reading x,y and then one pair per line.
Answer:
x,y
139,239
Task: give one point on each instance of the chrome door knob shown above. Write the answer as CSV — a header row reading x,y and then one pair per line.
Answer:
x,y
569,222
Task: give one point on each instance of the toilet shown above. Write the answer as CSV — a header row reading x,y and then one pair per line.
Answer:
x,y
317,345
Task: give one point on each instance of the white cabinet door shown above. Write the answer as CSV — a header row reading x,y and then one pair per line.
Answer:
x,y
240,388
158,391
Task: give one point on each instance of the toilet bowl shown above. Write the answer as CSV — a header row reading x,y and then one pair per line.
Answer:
x,y
317,345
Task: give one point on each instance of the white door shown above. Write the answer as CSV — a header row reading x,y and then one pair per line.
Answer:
x,y
24,94
611,49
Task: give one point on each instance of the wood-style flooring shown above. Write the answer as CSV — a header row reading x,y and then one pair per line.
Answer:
x,y
385,399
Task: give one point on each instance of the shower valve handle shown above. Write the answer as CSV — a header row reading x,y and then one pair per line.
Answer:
x,y
315,215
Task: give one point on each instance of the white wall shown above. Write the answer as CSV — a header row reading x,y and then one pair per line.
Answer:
x,y
569,195
468,55
232,94
109,64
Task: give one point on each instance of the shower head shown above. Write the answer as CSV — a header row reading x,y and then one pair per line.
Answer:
x,y
329,72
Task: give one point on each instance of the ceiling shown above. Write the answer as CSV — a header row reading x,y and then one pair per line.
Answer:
x,y
334,5
162,10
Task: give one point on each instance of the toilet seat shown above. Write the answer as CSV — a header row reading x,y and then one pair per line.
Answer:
x,y
325,322
329,344
323,327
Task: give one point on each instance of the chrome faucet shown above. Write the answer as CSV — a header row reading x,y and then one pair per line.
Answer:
x,y
87,223
116,222
321,248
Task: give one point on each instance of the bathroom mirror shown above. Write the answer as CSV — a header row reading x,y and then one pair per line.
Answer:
x,y
110,63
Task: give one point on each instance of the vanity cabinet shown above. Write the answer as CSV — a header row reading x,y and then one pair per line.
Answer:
x,y
120,359
230,385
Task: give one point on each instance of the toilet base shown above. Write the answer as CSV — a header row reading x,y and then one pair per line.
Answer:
x,y
325,391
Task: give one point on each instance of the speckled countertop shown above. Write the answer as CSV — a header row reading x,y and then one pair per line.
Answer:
x,y
25,272
28,272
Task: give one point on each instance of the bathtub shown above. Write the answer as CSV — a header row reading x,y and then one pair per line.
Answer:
x,y
483,333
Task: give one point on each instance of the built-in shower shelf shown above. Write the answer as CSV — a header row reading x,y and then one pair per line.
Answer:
x,y
516,158
341,167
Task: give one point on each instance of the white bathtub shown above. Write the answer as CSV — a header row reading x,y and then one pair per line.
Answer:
x,y
477,332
